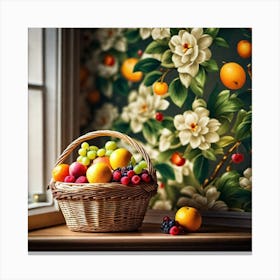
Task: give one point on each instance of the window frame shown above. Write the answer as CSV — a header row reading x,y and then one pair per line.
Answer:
x,y
61,104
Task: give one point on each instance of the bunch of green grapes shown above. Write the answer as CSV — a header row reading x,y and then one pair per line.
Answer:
x,y
88,153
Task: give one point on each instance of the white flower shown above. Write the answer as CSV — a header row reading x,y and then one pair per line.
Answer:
x,y
207,200
189,50
165,139
157,33
111,38
246,181
195,127
107,71
142,106
105,116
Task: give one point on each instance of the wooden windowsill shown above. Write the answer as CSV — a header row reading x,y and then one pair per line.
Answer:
x,y
147,238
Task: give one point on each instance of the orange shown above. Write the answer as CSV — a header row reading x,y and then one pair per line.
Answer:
x,y
127,70
99,173
104,159
189,218
60,171
244,48
120,158
233,75
160,88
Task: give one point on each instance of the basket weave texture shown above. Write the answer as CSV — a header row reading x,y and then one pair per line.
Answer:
x,y
104,207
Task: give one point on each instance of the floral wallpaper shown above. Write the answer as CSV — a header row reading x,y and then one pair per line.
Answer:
x,y
185,93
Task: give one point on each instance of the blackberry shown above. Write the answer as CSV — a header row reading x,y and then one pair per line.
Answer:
x,y
167,224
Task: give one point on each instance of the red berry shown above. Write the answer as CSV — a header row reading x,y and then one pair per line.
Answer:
x,y
177,159
237,158
135,179
174,230
81,179
166,218
146,177
117,174
109,60
130,173
139,52
159,117
125,180
69,179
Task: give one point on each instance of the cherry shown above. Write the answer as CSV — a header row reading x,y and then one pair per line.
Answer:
x,y
159,116
177,159
109,60
237,158
139,52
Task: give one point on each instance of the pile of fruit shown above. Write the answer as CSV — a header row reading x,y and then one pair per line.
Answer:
x,y
187,219
103,165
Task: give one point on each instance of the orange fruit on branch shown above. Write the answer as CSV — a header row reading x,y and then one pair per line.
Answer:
x,y
244,48
160,88
127,70
232,75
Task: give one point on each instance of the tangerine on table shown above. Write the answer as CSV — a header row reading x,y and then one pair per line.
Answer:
x,y
189,218
244,48
60,171
127,70
233,75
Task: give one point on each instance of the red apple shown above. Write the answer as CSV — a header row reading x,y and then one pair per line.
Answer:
x,y
177,159
77,169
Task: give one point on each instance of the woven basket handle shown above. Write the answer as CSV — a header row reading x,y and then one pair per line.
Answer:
x,y
100,133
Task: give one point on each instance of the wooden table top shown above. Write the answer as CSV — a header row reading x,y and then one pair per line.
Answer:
x,y
147,238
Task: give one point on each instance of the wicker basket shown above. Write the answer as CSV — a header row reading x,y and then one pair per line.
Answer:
x,y
104,207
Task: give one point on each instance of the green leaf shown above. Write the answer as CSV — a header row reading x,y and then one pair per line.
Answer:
x,y
212,100
198,82
221,42
191,154
213,32
226,104
243,130
200,168
151,77
166,60
231,192
158,46
149,133
239,118
225,125
168,123
209,154
146,65
178,92
225,141
174,31
132,35
121,126
210,65
165,170
222,97
120,86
